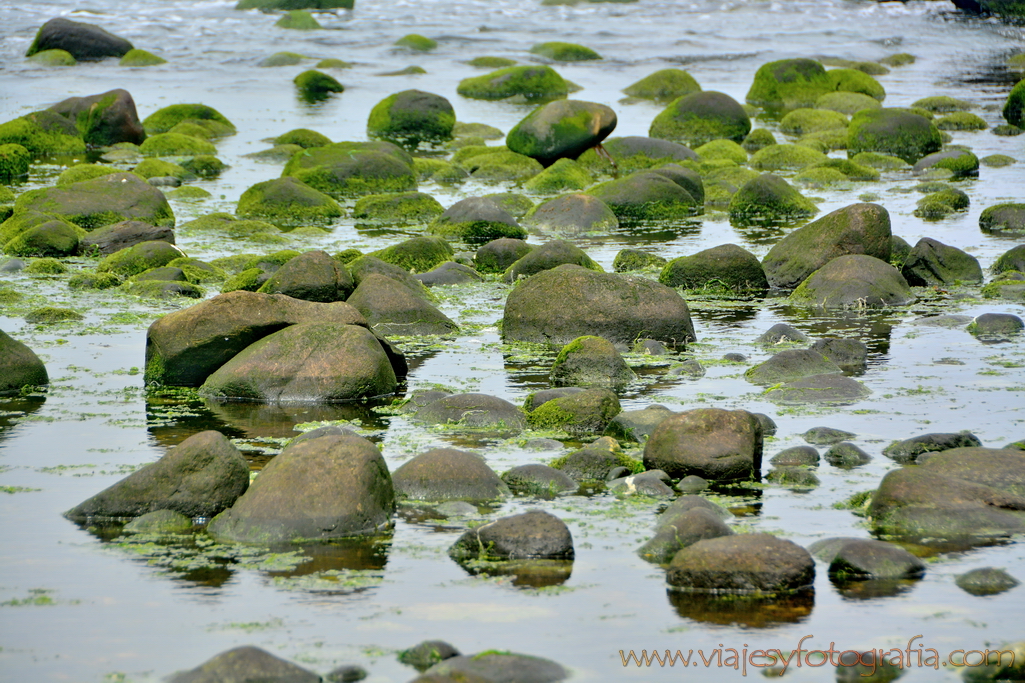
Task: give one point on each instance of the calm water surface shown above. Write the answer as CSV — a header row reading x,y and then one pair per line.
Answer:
x,y
116,617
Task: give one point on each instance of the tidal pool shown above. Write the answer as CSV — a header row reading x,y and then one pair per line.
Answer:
x,y
77,605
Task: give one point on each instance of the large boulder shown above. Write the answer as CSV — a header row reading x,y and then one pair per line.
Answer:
x,y
637,425
43,134
448,474
82,41
412,117
664,85
895,132
245,664
711,443
701,117
556,306
591,361
531,535
547,256
287,201
535,82
789,84
854,280
329,487
307,362
139,258
117,236
855,229
768,199
347,169
104,119
962,494
391,308
167,118
747,564
184,347
55,238
561,129
1014,107
575,412
725,267
477,220
826,388
19,366
473,410
417,254
313,276
199,477
571,215
647,196
101,201
933,263
498,254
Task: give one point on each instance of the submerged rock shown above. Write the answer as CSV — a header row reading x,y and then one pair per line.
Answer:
x,y
789,84
745,564
243,664
701,117
104,119
534,534
347,169
333,486
476,220
473,410
863,558
933,263
287,201
725,267
448,474
851,355
908,450
391,308
854,281
495,666
845,454
986,581
647,196
790,365
411,118
200,477
684,529
561,129
769,198
796,456
828,388
101,201
535,82
637,425
536,479
572,214
423,656
781,333
709,442
577,412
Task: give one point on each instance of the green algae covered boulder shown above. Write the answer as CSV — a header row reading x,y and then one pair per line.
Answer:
x,y
104,119
785,157
43,134
853,80
316,85
801,121
412,117
591,361
417,254
416,42
52,238
287,201
647,196
561,129
298,20
663,86
399,208
347,169
137,57
564,52
500,165
166,118
283,59
270,5
565,175
156,168
1014,108
855,280
549,255
303,137
14,162
893,131
476,220
789,84
846,102
175,144
769,198
101,201
725,268
55,57
19,366
530,83
139,258
701,117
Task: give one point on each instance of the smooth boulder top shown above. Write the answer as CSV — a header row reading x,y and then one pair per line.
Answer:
x,y
531,535
853,281
752,564
19,366
561,129
245,664
473,410
448,474
83,41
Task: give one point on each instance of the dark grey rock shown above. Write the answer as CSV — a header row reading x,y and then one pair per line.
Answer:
x,y
473,410
684,529
589,464
709,442
495,667
829,389
908,450
423,656
392,309
637,425
851,355
846,454
449,273
19,366
539,398
686,502
790,365
863,558
796,477
246,664
781,333
745,564
796,456
688,368
996,326
537,479
448,474
692,484
534,534
986,581
933,263
84,41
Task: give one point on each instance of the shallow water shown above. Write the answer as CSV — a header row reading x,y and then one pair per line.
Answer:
x,y
116,617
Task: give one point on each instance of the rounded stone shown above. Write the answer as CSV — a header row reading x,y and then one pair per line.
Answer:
x,y
448,474
712,443
531,535
747,564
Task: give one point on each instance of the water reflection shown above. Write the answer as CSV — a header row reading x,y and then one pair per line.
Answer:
x,y
524,573
873,588
873,328
13,410
744,612
724,313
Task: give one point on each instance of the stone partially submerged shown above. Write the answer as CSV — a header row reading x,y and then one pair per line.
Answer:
x,y
448,474
744,564
711,443
243,664
854,281
101,201
19,366
535,534
561,129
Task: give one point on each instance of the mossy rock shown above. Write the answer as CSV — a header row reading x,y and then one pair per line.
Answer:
x,y
480,130
101,201
663,86
560,129
882,162
411,118
565,175
942,104
530,83
417,254
193,128
853,80
283,59
188,193
54,57
204,165
997,160
487,62
400,208
701,117
14,162
347,169
52,315
961,120
416,43
164,289
45,266
801,121
197,271
43,134
647,196
163,120
501,166
303,137
636,153
820,177
757,139
287,201
960,162
722,149
139,258
564,52
441,172
316,85
52,238
137,57
634,259
90,279
155,168
271,5
854,280
582,413
23,221
476,220
789,84
298,20
249,280
1006,219
175,144
332,63
549,255
768,198
941,204
899,59
849,169
786,157
726,268
893,131
848,103
516,205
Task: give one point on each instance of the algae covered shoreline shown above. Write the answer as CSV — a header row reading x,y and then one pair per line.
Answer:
x,y
101,606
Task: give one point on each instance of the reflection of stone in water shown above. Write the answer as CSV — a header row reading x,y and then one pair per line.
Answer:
x,y
725,312
277,420
208,577
743,611
873,328
354,554
524,573
14,409
873,588
171,418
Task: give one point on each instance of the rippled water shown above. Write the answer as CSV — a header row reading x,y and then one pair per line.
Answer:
x,y
114,614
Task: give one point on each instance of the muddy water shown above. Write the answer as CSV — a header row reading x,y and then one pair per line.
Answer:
x,y
108,611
